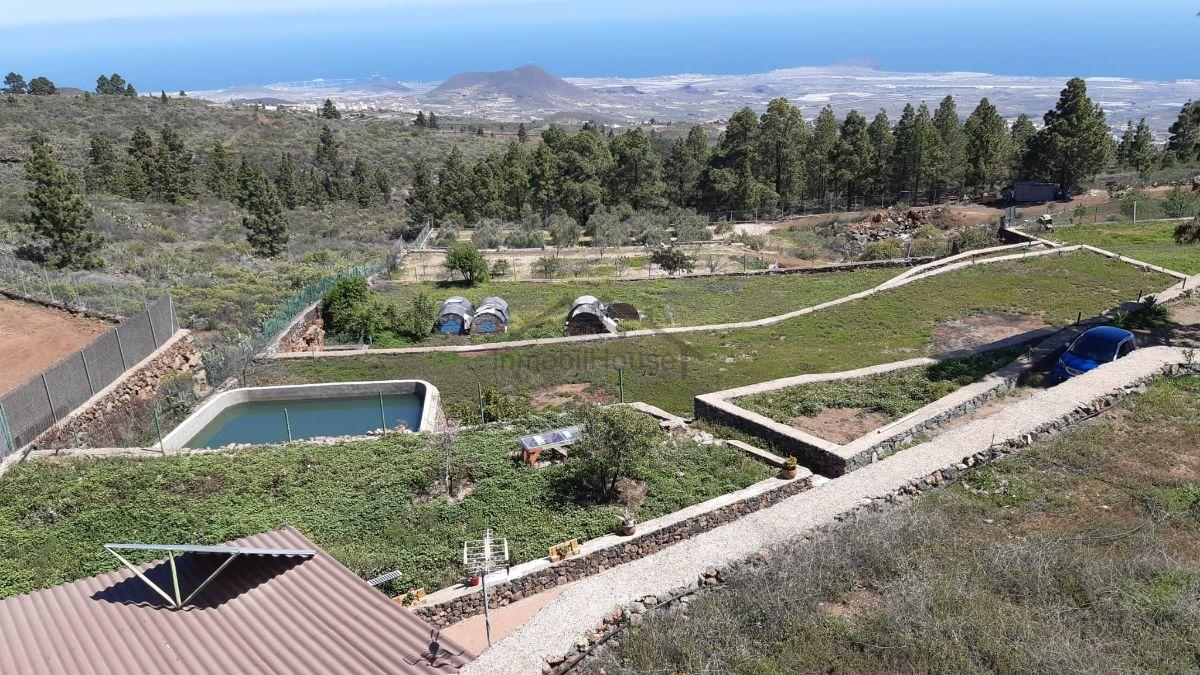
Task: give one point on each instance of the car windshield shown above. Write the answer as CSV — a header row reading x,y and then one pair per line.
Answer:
x,y
1094,348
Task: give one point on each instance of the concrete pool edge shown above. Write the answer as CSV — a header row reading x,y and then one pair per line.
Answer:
x,y
198,420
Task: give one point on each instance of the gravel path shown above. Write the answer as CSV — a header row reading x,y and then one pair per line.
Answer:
x,y
582,607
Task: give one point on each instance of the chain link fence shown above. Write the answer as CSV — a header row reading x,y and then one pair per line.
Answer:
x,y
82,290
43,400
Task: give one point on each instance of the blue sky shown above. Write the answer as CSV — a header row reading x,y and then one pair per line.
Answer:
x,y
217,43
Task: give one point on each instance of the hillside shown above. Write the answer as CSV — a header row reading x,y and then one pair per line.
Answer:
x,y
526,84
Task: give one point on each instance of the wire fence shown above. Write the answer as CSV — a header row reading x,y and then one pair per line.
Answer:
x,y
75,290
230,359
46,398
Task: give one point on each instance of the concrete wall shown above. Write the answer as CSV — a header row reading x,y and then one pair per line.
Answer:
x,y
430,411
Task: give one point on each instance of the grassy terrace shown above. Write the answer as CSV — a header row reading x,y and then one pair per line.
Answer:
x,y
539,309
376,505
669,371
1149,241
1081,555
892,394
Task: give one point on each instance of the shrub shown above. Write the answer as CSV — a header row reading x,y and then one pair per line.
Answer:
x,y
487,234
446,236
527,235
417,320
673,260
466,259
547,267
1188,232
343,300
1149,315
615,443
1179,204
887,249
501,268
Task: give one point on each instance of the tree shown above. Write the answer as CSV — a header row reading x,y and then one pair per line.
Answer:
x,y
433,120
454,193
162,96
988,146
422,197
614,443
522,134
564,231
1179,204
142,168
883,144
635,177
287,182
609,228
916,150
1074,145
689,225
104,166
732,181
56,226
1184,141
219,176
130,92
672,260
1138,152
266,226
950,156
463,257
684,165
111,86
545,179
584,160
343,300
42,86
487,234
417,321
327,162
1020,139
820,153
363,184
782,138
420,122
329,111
852,156
528,234
514,181
14,83
174,167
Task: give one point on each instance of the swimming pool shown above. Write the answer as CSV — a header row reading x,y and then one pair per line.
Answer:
x,y
261,415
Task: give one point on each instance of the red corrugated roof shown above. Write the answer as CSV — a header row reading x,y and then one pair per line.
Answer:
x,y
261,615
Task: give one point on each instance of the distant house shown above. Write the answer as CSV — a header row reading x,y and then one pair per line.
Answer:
x,y
269,603
1026,191
454,318
588,316
490,317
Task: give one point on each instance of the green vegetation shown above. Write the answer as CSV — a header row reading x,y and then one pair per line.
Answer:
x,y
895,394
375,505
539,309
1080,555
668,371
1149,241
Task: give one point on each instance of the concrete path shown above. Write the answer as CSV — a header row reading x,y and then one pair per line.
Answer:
x,y
582,607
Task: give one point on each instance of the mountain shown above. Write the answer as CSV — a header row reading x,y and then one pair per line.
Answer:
x,y
527,84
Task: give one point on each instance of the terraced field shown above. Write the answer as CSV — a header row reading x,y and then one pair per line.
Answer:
x,y
1150,241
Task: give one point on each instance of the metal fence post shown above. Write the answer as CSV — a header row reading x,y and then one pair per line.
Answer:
x,y
120,349
8,438
150,319
86,372
49,400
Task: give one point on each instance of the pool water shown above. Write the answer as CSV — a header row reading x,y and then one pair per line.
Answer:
x,y
260,422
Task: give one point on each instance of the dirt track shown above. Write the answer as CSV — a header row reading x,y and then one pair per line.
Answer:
x,y
32,338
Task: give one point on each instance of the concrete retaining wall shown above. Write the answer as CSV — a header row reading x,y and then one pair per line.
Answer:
x,y
217,404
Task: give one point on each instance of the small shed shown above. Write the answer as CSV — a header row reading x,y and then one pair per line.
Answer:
x,y
1025,191
454,318
588,317
490,317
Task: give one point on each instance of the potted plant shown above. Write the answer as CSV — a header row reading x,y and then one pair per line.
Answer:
x,y
628,524
789,469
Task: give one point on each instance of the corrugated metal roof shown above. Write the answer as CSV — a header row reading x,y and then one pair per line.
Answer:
x,y
261,615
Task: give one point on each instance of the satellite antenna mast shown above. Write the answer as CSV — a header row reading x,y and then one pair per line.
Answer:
x,y
482,557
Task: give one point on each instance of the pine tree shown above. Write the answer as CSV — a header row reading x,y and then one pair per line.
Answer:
x,y
266,226
362,183
130,92
883,144
988,146
1020,138
287,183
1184,141
14,83
1142,154
853,156
103,86
522,134
162,96
422,196
916,151
42,86
433,120
585,161
103,173
1074,145
951,155
329,111
515,188
731,181
635,177
219,176
684,165
420,122
545,179
56,226
820,151
1123,147
782,138
142,168
330,170
175,179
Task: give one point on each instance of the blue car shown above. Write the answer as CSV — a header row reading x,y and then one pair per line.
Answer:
x,y
1093,349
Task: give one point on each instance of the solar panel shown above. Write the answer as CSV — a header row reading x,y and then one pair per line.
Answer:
x,y
242,550
548,438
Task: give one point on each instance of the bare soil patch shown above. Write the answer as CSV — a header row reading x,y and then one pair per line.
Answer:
x,y
841,425
33,338
981,329
568,393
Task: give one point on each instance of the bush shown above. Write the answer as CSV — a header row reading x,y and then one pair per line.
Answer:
x,y
887,249
547,267
417,320
487,234
501,268
1149,315
343,301
1179,204
1188,232
447,236
466,259
673,260
527,235
615,443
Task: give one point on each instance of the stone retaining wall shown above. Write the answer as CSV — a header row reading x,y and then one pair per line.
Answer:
x,y
609,632
587,564
306,333
178,356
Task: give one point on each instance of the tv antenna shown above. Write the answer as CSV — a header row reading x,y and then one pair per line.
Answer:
x,y
480,558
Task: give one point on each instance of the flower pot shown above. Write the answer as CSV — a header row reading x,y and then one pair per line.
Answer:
x,y
628,527
475,581
787,474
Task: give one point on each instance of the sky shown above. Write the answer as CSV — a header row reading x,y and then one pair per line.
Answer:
x,y
160,44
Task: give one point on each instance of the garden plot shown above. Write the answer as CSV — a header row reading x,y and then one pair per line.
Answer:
x,y
1149,241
